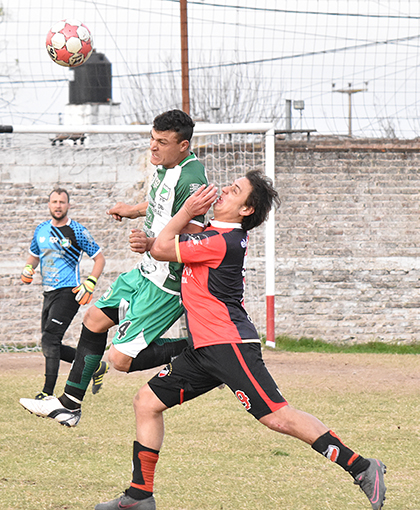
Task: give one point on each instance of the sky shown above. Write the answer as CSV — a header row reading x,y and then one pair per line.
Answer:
x,y
249,56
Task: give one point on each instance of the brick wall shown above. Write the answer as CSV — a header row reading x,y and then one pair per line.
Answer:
x,y
348,240
96,180
347,236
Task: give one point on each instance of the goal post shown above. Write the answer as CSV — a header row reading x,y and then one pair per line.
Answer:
x,y
227,151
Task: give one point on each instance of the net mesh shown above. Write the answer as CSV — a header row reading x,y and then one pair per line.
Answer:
x,y
99,172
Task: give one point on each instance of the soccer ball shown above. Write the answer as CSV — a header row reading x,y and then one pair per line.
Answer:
x,y
69,43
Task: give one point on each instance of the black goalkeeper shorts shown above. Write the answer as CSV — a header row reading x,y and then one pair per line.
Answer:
x,y
240,366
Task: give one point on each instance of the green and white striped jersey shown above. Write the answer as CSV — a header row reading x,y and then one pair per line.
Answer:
x,y
169,190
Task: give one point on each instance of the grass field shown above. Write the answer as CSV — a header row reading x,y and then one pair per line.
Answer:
x,y
216,456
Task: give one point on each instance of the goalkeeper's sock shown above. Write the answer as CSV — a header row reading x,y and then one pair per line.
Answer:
x,y
89,352
67,353
155,355
144,465
51,373
330,446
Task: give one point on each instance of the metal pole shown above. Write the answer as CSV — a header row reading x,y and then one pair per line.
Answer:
x,y
350,131
350,92
184,58
270,245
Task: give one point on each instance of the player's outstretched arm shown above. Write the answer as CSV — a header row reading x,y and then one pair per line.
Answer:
x,y
122,210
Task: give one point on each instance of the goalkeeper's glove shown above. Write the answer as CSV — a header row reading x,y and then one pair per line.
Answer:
x,y
85,290
27,274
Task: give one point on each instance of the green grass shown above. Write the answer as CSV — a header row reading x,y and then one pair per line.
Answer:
x,y
216,456
285,343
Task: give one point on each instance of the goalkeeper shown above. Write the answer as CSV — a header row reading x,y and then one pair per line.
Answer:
x,y
57,246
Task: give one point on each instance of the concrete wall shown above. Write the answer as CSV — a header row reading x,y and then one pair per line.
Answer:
x,y
347,239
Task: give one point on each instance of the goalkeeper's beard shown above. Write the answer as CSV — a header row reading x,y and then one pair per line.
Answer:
x,y
58,216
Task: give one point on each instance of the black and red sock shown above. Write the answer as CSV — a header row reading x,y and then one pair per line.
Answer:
x,y
330,446
144,464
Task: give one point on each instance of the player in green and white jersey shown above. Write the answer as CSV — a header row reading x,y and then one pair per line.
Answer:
x,y
144,302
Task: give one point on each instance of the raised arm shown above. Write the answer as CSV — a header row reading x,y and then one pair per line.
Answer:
x,y
199,203
122,210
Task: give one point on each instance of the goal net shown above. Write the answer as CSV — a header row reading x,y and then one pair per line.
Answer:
x,y
100,165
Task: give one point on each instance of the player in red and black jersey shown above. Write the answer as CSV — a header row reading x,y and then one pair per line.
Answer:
x,y
225,346
213,285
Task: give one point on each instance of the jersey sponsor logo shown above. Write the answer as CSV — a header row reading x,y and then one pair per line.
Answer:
x,y
194,238
244,243
148,266
153,188
332,453
249,319
65,242
194,187
42,239
187,271
165,192
243,399
88,236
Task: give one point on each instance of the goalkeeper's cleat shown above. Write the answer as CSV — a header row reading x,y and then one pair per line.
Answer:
x,y
41,395
371,482
51,407
98,376
126,501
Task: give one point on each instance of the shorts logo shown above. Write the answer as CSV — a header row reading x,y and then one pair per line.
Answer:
x,y
165,371
332,453
243,399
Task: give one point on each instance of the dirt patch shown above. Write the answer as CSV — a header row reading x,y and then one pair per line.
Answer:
x,y
365,372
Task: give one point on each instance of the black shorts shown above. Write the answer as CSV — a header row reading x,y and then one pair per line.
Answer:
x,y
240,366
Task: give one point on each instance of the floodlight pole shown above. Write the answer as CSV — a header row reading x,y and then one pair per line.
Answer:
x,y
350,92
184,58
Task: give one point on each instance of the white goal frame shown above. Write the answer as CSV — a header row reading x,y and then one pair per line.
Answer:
x,y
266,129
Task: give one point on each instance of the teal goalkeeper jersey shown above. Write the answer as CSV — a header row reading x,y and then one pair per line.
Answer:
x,y
169,190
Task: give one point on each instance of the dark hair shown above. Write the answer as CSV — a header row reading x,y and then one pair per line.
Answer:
x,y
261,199
59,191
175,120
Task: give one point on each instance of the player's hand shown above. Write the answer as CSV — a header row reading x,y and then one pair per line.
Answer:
x,y
139,242
27,274
121,210
201,201
85,290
